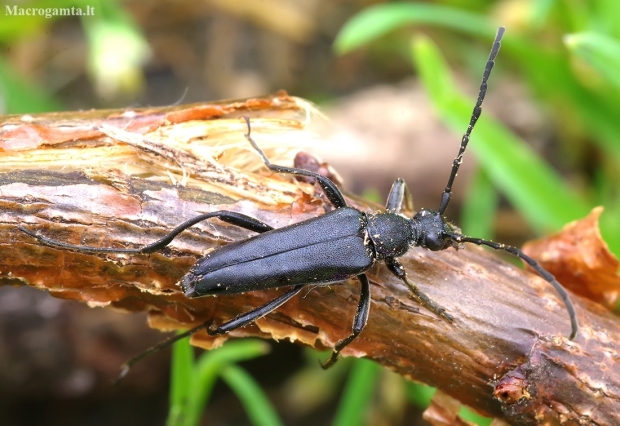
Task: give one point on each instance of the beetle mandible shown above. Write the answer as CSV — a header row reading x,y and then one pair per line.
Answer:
x,y
294,256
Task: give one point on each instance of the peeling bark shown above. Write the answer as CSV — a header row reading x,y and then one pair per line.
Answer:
x,y
506,354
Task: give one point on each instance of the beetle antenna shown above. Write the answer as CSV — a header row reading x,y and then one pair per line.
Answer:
x,y
447,193
536,266
158,347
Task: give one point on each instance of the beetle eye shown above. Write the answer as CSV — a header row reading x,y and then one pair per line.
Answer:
x,y
437,242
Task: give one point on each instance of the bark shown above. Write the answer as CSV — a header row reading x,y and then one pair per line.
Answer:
x,y
506,355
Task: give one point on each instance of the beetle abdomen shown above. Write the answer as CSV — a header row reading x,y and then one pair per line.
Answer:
x,y
329,248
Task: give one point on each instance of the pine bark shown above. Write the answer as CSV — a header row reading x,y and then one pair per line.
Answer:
x,y
506,355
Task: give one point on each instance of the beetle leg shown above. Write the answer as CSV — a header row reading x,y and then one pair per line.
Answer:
x,y
359,322
240,321
397,269
332,192
234,218
256,313
399,194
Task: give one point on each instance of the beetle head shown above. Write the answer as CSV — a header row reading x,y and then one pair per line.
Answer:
x,y
433,232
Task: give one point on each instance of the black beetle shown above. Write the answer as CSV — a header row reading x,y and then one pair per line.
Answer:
x,y
295,256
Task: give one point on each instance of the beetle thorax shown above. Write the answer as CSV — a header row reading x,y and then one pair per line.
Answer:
x,y
391,234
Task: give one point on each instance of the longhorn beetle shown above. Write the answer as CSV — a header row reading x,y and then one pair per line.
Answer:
x,y
295,256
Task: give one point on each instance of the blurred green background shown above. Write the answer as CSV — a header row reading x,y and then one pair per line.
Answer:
x,y
550,156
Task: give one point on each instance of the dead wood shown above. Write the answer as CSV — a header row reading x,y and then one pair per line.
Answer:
x,y
506,354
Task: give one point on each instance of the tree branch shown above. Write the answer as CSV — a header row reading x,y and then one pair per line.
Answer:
x,y
505,355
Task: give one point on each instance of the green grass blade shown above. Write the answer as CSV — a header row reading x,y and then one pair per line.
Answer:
x,y
599,51
539,13
420,395
376,21
552,76
180,381
209,366
256,404
605,17
479,207
470,416
357,393
20,96
546,70
531,186
610,225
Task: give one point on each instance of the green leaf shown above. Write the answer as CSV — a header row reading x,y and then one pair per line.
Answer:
x,y
539,12
376,21
115,71
420,395
20,96
180,381
531,186
479,206
357,393
208,367
470,416
599,51
256,404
